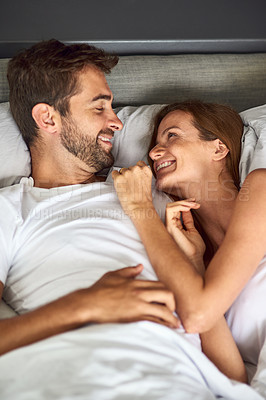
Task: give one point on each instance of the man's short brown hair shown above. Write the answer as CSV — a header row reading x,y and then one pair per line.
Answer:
x,y
47,73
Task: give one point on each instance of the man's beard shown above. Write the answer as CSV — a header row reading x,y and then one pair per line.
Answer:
x,y
84,147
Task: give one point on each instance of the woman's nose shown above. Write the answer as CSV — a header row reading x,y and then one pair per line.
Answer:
x,y
156,152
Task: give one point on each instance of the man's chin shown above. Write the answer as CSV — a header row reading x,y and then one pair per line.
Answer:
x,y
106,163
110,160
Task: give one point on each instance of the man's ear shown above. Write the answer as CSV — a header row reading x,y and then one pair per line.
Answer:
x,y
220,150
46,118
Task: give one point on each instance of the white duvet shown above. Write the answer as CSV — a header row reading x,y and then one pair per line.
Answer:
x,y
98,362
115,362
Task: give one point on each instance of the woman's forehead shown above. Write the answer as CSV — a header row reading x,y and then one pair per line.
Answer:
x,y
178,118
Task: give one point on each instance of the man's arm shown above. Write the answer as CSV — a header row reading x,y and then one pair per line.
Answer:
x,y
116,297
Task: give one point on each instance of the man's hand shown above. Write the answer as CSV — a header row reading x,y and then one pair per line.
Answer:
x,y
118,297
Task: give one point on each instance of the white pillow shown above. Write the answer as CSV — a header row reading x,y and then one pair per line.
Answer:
x,y
253,155
130,144
14,154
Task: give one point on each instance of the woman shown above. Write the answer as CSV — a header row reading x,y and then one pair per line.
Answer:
x,y
195,154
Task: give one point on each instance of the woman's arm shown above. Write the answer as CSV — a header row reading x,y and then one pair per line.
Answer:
x,y
231,267
217,343
219,346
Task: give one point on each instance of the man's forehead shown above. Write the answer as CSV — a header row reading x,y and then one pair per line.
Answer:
x,y
92,74
92,84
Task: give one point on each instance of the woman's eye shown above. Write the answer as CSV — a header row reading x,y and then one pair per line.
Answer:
x,y
171,134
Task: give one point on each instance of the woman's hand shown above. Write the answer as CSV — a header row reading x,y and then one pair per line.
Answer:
x,y
185,234
133,187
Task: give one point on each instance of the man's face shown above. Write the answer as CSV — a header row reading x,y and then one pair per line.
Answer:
x,y
91,122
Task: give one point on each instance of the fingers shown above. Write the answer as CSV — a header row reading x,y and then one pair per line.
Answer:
x,y
133,188
160,314
159,306
173,217
168,320
188,221
141,163
158,296
139,284
124,169
177,222
129,272
185,204
173,214
119,298
145,290
115,174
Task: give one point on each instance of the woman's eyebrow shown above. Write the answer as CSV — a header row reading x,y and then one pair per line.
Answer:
x,y
166,130
169,128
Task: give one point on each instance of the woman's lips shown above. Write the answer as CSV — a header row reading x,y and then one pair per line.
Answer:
x,y
163,164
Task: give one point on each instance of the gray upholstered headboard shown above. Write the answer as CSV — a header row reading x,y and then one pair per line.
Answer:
x,y
235,79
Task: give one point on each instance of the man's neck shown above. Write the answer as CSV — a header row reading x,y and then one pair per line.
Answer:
x,y
46,182
49,172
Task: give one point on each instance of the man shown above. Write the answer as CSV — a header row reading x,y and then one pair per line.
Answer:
x,y
62,104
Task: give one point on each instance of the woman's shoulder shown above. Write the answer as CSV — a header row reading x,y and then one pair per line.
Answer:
x,y
257,174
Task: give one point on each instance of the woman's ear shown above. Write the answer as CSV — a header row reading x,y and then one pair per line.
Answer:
x,y
220,150
45,117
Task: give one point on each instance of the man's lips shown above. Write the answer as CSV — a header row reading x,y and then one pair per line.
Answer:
x,y
106,140
163,164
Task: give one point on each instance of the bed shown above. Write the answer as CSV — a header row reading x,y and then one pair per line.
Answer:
x,y
132,361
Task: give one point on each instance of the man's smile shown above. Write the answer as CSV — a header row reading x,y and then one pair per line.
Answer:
x,y
105,139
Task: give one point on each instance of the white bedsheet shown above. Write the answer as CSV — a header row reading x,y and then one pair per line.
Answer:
x,y
259,380
115,362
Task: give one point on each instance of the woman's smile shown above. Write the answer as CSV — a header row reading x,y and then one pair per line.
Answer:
x,y
163,165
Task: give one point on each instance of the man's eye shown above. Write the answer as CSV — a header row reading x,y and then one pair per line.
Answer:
x,y
99,108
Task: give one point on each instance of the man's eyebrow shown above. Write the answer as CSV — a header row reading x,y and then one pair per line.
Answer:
x,y
102,97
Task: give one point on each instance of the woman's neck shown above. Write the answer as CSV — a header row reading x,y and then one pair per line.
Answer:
x,y
214,218
217,201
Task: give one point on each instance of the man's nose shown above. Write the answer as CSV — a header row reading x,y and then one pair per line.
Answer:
x,y
115,122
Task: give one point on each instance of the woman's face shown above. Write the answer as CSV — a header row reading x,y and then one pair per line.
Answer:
x,y
180,157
